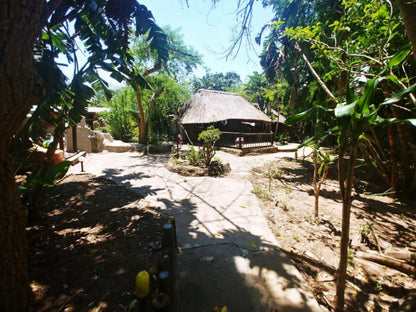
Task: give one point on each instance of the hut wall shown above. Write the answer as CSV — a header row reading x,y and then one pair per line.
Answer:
x,y
235,126
192,133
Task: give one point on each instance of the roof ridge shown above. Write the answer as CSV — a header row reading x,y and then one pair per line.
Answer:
x,y
217,91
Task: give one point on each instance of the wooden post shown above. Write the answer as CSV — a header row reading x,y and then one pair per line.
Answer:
x,y
165,284
164,263
167,240
173,222
74,139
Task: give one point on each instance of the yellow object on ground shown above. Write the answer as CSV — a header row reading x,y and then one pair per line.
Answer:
x,y
142,284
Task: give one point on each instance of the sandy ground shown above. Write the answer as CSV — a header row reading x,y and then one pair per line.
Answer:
x,y
73,264
284,188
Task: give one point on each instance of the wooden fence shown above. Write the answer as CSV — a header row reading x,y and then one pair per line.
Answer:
x,y
242,140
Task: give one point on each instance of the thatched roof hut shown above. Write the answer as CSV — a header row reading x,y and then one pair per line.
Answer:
x,y
210,106
239,121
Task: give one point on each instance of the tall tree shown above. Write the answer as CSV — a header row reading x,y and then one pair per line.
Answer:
x,y
408,12
147,62
103,26
229,81
159,114
268,94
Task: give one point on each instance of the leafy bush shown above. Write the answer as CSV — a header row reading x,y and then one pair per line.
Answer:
x,y
193,156
120,123
208,138
32,188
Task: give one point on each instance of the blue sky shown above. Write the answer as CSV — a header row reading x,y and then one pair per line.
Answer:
x,y
210,31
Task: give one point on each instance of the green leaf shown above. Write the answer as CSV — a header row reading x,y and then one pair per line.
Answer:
x,y
344,111
299,117
393,78
56,172
400,56
399,95
344,114
411,122
138,80
118,76
321,168
370,89
350,96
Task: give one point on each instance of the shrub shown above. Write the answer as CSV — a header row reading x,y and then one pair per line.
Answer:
x,y
193,156
120,123
208,138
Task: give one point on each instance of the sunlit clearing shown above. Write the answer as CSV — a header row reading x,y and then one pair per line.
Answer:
x,y
89,235
277,286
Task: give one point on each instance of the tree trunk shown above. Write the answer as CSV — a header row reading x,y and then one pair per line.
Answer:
x,y
149,111
315,183
142,127
346,189
388,261
393,162
294,91
315,74
20,25
14,282
408,12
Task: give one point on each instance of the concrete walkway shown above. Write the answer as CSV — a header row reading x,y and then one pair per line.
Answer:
x,y
228,254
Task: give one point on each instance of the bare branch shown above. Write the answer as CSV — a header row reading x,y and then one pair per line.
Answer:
x,y
152,70
315,74
246,11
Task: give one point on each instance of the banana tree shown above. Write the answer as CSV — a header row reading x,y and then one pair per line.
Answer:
x,y
354,118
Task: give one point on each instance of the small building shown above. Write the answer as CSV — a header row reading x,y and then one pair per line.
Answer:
x,y
242,124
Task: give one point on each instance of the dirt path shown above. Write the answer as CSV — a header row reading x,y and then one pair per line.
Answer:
x,y
100,232
227,250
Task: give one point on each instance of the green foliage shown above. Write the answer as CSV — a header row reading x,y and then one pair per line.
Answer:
x,y
378,287
194,157
208,138
182,60
268,94
365,229
262,193
31,188
354,56
229,81
275,173
161,95
350,258
161,126
119,121
47,179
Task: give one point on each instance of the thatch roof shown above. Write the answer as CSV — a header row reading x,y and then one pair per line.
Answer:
x,y
208,106
281,119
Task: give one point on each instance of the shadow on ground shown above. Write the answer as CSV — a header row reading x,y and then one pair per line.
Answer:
x,y
90,260
88,246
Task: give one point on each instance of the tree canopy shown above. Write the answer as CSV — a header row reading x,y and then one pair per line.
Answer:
x,y
229,81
